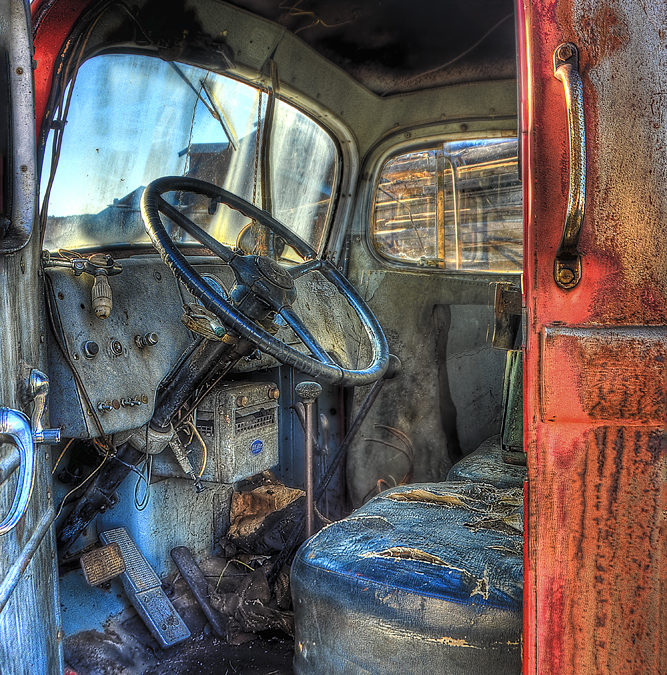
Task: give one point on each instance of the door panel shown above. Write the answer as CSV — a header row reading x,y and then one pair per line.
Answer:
x,y
595,354
29,614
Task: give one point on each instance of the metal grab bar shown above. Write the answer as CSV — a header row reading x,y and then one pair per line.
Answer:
x,y
15,429
567,265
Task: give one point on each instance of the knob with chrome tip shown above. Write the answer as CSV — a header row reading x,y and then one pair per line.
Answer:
x,y
308,391
148,340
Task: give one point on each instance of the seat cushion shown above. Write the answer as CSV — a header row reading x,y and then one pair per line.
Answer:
x,y
486,465
424,578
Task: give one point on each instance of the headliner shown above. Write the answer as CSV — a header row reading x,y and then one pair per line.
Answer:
x,y
393,46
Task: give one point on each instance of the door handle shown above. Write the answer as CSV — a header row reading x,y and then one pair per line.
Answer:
x,y
567,265
17,430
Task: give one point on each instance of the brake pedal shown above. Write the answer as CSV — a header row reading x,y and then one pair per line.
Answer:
x,y
144,589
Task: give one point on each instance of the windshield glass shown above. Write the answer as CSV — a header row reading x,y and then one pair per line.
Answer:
x,y
134,118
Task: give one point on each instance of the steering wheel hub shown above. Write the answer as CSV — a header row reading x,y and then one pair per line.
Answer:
x,y
274,273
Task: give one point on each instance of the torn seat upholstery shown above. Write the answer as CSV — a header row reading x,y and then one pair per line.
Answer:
x,y
424,578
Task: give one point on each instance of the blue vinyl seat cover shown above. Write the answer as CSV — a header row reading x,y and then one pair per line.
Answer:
x,y
457,542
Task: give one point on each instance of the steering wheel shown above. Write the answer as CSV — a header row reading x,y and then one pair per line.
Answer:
x,y
262,285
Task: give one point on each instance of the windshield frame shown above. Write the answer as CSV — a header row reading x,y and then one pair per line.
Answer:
x,y
344,147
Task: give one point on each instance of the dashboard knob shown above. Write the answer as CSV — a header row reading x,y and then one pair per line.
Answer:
x,y
148,340
90,349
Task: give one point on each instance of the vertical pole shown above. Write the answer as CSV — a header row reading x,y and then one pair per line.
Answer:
x,y
308,393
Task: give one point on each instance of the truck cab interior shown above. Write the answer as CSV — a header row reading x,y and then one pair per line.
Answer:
x,y
280,254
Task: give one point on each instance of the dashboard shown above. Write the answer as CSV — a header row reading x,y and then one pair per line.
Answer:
x,y
119,362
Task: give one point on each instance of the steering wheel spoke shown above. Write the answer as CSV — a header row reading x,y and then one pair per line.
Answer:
x,y
302,332
304,267
223,252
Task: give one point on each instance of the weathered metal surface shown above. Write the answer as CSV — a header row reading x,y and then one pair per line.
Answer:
x,y
595,353
29,621
448,398
19,134
604,374
146,299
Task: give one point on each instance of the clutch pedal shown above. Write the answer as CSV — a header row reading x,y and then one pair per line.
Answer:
x,y
144,589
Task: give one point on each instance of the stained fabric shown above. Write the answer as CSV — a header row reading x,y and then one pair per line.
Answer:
x,y
424,578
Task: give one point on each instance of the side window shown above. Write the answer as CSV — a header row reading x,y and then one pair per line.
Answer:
x,y
456,206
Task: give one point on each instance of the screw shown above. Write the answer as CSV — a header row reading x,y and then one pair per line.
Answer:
x,y
19,71
24,168
565,51
565,275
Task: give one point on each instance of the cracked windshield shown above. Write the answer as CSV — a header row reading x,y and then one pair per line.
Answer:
x,y
134,118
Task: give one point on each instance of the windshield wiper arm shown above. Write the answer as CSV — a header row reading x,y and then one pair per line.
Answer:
x,y
211,105
217,112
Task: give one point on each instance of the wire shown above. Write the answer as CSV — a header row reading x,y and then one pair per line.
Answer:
x,y
80,485
141,504
60,456
203,445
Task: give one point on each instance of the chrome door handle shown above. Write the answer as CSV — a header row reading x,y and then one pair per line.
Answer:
x,y
567,265
17,430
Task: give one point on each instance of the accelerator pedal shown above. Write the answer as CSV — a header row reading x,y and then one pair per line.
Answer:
x,y
102,564
144,589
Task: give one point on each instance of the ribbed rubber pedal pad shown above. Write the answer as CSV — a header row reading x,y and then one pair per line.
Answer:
x,y
102,564
144,589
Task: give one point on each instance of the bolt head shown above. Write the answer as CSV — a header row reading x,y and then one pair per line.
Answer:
x,y
565,275
565,51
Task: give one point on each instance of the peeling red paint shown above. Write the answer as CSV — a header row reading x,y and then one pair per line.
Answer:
x,y
52,24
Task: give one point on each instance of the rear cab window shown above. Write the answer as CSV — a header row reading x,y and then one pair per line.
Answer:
x,y
454,206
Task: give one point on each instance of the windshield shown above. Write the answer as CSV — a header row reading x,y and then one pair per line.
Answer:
x,y
134,118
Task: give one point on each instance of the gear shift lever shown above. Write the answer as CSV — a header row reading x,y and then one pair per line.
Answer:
x,y
308,393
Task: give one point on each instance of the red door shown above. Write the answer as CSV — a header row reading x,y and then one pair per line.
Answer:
x,y
596,335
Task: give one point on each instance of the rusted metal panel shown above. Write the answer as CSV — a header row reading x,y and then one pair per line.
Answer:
x,y
594,375
604,374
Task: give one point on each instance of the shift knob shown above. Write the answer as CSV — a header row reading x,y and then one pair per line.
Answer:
x,y
308,391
